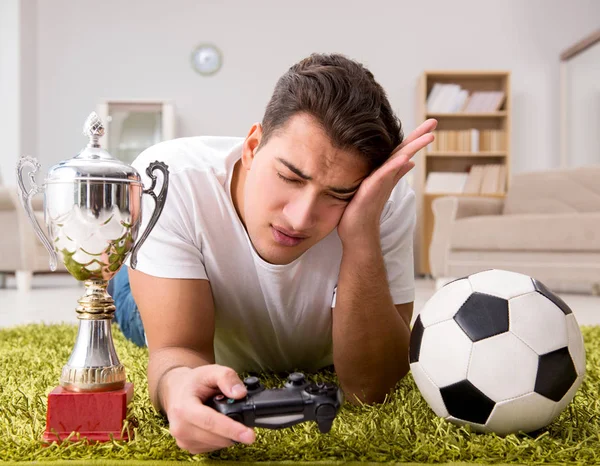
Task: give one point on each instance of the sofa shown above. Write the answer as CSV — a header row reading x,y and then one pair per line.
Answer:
x,y
547,226
21,252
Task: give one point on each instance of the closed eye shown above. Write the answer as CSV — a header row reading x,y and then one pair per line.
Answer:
x,y
296,181
343,199
288,180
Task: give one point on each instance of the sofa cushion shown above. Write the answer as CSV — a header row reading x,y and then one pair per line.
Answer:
x,y
8,198
531,232
568,272
554,191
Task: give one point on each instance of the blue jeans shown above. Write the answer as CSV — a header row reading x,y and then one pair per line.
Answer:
x,y
127,314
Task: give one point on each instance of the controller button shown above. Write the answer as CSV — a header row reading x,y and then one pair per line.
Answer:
x,y
326,412
230,401
313,389
297,378
252,383
219,397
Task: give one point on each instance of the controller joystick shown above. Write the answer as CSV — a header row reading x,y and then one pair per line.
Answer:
x,y
296,379
253,384
299,401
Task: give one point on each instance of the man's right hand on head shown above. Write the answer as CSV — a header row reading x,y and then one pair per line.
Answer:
x,y
198,428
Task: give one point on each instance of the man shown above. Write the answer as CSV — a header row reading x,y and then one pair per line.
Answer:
x,y
290,249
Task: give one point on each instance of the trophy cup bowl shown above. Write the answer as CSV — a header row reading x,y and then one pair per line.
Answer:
x,y
93,212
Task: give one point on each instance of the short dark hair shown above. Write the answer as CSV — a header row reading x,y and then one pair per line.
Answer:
x,y
343,96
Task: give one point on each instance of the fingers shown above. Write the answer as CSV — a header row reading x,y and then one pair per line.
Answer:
x,y
212,421
217,377
399,159
195,440
203,425
410,149
403,171
426,127
418,139
197,427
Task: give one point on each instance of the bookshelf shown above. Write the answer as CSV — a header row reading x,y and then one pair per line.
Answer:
x,y
473,110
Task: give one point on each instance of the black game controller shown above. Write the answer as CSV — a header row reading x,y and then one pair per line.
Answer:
x,y
299,401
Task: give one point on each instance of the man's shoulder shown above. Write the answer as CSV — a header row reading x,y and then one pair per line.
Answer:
x,y
400,204
401,195
197,153
402,190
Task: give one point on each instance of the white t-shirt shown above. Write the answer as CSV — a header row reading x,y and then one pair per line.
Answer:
x,y
267,317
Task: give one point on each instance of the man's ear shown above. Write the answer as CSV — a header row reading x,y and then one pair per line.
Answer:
x,y
251,145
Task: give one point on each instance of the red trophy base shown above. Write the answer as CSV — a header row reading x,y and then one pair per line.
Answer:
x,y
95,416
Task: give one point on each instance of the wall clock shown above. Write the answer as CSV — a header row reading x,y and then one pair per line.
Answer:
x,y
207,59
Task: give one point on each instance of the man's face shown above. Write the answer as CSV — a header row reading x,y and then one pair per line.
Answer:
x,y
296,188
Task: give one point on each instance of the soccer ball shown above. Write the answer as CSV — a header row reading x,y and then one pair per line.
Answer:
x,y
497,350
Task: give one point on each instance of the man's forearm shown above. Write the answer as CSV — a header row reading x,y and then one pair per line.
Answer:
x,y
370,338
162,364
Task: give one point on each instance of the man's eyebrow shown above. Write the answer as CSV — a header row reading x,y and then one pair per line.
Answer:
x,y
297,171
304,176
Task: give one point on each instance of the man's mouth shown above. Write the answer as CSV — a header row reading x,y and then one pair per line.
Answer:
x,y
285,237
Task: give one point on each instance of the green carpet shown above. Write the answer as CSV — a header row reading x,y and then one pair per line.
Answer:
x,y
402,429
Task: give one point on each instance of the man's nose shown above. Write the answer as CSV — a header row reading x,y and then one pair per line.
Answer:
x,y
301,211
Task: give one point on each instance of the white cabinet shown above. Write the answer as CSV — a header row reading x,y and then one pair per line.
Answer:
x,y
134,125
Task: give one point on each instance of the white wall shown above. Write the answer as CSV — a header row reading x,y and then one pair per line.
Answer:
x,y
29,77
89,50
18,84
10,103
583,108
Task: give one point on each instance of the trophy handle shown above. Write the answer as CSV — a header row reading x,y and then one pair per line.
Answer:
x,y
26,198
159,204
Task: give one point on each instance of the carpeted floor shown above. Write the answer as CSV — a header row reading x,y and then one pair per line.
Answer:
x,y
403,429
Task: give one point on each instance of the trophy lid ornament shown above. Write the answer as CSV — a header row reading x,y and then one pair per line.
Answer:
x,y
93,162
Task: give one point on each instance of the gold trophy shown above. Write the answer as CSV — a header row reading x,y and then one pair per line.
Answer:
x,y
93,212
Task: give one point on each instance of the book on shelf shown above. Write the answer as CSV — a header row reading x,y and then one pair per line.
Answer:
x,y
480,179
487,178
452,98
445,182
493,140
468,140
485,101
474,178
489,182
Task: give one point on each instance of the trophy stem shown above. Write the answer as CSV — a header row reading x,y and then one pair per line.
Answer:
x,y
94,365
96,303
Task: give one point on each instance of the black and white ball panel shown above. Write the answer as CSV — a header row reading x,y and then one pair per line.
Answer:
x,y
483,316
543,330
532,411
556,373
445,302
429,390
448,366
562,404
576,346
416,336
493,370
465,401
541,288
501,283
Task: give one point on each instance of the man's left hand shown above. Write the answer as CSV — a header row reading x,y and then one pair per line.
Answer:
x,y
360,221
